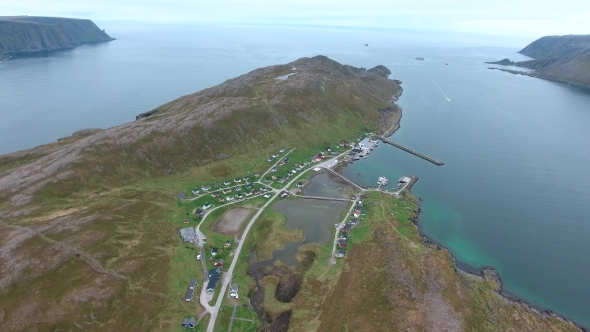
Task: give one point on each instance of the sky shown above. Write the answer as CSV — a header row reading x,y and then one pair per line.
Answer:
x,y
533,18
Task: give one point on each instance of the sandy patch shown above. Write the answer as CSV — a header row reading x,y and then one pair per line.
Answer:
x,y
230,222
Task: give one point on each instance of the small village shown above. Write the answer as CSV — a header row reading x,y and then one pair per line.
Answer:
x,y
284,178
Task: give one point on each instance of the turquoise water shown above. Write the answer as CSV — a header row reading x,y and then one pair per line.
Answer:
x,y
515,187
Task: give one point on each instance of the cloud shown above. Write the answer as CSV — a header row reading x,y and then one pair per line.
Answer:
x,y
533,17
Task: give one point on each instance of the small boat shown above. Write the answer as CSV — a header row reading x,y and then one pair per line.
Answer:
x,y
419,58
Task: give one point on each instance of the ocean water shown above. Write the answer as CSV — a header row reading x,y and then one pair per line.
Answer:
x,y
513,193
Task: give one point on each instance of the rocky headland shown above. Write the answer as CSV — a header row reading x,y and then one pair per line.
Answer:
x,y
26,34
557,58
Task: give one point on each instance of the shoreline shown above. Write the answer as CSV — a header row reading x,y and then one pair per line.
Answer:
x,y
486,272
33,53
542,77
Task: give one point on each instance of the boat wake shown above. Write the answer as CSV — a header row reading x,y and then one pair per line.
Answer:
x,y
441,90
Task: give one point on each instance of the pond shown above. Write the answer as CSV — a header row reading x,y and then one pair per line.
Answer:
x,y
314,217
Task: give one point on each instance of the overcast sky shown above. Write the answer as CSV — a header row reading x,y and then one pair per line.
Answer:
x,y
518,17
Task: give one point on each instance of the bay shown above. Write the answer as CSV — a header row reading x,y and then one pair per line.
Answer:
x,y
513,193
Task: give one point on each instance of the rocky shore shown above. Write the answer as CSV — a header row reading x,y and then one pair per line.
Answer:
x,y
486,273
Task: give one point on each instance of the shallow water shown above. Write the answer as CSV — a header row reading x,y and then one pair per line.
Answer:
x,y
322,185
314,217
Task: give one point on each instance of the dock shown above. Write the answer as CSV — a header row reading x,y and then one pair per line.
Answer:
x,y
416,153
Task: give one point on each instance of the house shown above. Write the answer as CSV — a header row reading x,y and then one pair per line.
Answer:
x,y
267,180
274,177
188,234
189,322
266,196
199,212
199,257
230,198
341,253
286,159
354,221
299,184
206,188
344,235
281,150
256,192
221,200
226,191
196,191
211,259
215,194
214,275
227,244
342,243
284,194
256,175
281,163
189,295
248,193
193,283
238,189
357,213
219,263
246,178
233,291
240,196
217,185
227,183
274,169
237,180
206,206
214,251
248,187
346,228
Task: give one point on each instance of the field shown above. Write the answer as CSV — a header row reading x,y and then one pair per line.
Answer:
x,y
231,221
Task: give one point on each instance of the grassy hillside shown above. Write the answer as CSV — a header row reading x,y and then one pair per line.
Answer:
x,y
557,58
89,225
558,47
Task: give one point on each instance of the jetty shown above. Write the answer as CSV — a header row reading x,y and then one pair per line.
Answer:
x,y
416,153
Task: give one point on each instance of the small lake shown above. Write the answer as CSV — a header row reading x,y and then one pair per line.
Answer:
x,y
315,217
324,185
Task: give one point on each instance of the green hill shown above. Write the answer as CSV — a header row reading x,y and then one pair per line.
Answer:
x,y
89,224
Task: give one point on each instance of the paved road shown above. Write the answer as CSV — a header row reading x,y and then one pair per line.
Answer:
x,y
226,279
340,225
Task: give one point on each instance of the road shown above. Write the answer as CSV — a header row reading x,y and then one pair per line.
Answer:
x,y
226,279
340,225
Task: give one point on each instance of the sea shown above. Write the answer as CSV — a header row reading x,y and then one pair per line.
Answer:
x,y
513,194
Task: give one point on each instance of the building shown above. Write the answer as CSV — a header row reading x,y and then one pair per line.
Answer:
x,y
233,291
188,234
214,275
189,295
193,283
342,243
189,322
219,263
227,244
341,253
284,194
214,251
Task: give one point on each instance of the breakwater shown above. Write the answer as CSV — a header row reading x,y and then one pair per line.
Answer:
x,y
416,153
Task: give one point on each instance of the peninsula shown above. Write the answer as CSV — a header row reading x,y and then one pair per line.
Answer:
x,y
25,34
557,58
158,224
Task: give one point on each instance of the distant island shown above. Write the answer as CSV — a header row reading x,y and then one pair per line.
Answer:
x,y
557,58
25,34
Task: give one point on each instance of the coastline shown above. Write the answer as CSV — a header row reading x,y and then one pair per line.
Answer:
x,y
538,75
24,54
487,272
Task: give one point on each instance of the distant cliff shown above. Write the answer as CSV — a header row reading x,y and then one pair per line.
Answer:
x,y
557,58
31,34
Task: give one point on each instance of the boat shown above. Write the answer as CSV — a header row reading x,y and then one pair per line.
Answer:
x,y
419,58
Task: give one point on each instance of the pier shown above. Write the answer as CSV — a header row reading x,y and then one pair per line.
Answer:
x,y
416,153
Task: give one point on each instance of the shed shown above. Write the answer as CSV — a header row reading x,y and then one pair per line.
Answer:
x,y
189,295
193,283
189,322
233,291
